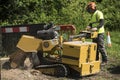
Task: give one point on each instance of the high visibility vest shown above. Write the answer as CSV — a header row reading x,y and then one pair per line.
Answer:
x,y
95,20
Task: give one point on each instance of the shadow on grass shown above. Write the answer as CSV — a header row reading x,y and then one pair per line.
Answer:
x,y
114,69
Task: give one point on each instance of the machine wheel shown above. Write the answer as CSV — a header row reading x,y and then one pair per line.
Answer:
x,y
58,70
61,71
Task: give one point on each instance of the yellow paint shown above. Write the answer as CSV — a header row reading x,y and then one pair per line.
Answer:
x,y
29,43
51,44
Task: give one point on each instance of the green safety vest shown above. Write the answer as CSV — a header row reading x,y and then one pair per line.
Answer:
x,y
95,20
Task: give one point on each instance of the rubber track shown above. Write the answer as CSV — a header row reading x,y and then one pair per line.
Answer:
x,y
54,66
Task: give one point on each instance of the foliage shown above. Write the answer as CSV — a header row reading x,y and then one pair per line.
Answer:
x,y
14,12
112,13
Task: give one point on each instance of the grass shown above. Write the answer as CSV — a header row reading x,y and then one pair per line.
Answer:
x,y
112,70
114,50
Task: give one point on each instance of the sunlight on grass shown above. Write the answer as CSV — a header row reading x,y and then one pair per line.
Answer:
x,y
114,51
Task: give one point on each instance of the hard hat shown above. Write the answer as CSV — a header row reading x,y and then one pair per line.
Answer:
x,y
91,5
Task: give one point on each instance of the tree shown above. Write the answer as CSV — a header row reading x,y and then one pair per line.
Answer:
x,y
15,12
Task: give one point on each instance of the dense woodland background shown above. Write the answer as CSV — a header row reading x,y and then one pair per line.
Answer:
x,y
16,12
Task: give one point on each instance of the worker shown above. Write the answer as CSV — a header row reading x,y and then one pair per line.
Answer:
x,y
97,21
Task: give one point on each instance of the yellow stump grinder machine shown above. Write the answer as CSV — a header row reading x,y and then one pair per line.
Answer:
x,y
58,54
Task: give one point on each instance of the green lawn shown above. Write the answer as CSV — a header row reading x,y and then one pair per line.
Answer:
x,y
112,70
114,50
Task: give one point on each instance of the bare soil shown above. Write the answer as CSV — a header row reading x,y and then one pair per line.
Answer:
x,y
111,71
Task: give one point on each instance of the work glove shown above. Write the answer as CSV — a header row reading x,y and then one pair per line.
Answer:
x,y
94,29
88,28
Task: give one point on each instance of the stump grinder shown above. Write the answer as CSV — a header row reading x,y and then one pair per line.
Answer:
x,y
60,56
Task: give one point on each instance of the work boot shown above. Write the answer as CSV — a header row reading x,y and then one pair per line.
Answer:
x,y
104,63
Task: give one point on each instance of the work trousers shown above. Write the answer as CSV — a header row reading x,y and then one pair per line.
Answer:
x,y
100,47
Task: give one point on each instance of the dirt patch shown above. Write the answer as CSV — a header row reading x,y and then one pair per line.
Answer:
x,y
18,74
109,72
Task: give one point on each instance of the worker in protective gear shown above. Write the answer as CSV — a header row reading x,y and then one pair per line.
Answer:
x,y
97,21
